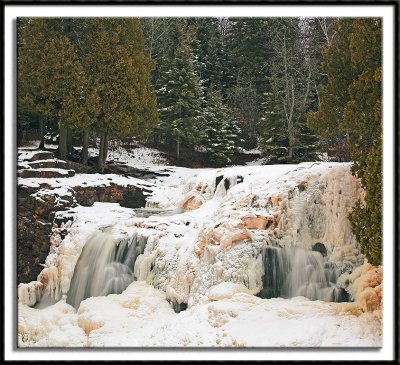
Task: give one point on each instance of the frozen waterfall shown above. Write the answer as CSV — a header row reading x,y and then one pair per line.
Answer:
x,y
105,266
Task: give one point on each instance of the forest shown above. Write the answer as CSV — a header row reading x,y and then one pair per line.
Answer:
x,y
295,89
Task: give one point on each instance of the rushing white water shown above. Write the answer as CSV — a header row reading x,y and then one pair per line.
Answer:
x,y
104,267
292,271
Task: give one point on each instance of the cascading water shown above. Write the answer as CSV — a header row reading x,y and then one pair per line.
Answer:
x,y
292,271
104,266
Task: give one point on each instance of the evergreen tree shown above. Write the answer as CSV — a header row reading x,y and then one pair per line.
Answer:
x,y
221,130
119,67
351,103
51,80
213,65
249,51
334,94
32,36
274,138
180,97
68,95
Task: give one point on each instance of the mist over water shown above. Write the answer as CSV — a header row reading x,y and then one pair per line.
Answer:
x,y
104,267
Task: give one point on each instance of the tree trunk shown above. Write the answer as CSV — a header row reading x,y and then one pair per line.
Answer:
x,y
21,137
101,147
177,149
41,133
69,141
105,148
62,146
85,147
103,151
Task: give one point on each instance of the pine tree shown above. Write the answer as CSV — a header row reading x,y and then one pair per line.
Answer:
x,y
180,96
221,130
334,94
119,67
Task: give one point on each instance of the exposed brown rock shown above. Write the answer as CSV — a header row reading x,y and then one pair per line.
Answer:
x,y
225,236
36,212
257,222
191,202
195,198
49,164
228,242
42,155
275,200
45,173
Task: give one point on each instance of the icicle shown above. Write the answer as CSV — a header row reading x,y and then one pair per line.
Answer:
x,y
30,293
143,266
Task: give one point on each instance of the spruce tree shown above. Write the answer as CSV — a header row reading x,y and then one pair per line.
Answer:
x,y
334,93
213,67
221,130
248,50
180,96
273,140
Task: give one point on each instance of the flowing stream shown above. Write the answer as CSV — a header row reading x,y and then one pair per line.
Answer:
x,y
293,271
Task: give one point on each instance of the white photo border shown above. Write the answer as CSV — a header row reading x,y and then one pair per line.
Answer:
x,y
386,11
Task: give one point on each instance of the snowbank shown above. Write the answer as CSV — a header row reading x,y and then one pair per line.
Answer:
x,y
141,316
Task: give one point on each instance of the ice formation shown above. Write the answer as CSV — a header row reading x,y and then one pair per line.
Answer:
x,y
278,232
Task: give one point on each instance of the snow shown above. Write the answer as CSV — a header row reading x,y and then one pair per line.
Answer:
x,y
257,162
308,202
254,151
54,326
141,317
140,157
83,180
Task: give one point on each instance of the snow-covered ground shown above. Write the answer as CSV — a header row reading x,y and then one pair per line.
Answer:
x,y
207,256
141,316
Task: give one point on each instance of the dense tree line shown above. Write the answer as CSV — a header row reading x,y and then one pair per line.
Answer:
x,y
293,88
83,75
266,71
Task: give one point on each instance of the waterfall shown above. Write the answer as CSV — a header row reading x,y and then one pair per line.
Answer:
x,y
105,266
293,271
